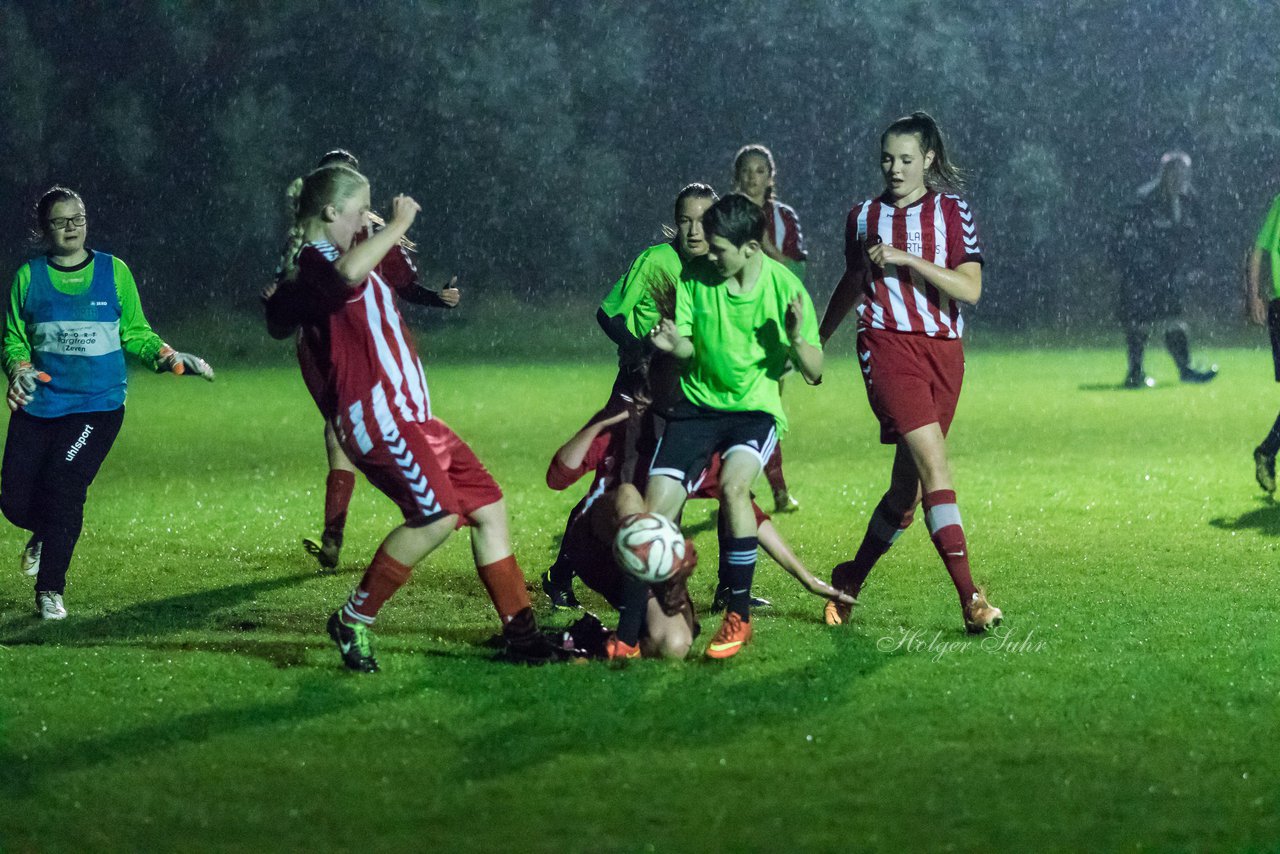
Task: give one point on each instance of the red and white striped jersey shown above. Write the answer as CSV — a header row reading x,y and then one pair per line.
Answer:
x,y
355,351
939,228
783,228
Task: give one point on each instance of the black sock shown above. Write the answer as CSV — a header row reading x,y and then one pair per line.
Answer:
x,y
1179,348
1271,444
635,600
737,566
1137,342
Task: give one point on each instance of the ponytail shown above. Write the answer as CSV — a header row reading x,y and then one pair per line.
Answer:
x,y
288,266
942,174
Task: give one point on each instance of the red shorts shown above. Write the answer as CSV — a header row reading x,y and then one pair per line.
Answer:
x,y
911,380
425,468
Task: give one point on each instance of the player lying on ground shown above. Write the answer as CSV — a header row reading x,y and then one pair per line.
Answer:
x,y
373,389
588,541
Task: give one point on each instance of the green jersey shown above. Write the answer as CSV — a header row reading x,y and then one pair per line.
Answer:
x,y
632,296
1269,242
740,345
136,336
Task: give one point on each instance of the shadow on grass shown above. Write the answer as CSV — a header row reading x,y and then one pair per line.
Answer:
x,y
142,622
1121,387
316,697
1265,519
554,725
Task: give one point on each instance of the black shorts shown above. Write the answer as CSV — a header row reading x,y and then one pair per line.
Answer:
x,y
693,433
1273,326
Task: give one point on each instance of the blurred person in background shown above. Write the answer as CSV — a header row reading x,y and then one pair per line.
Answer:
x,y
1157,235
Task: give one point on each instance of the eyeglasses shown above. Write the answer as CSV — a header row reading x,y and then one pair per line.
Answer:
x,y
63,221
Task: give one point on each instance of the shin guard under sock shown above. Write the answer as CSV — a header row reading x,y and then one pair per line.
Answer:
x,y
947,533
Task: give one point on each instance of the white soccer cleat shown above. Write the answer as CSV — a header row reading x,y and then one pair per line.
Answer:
x,y
50,607
30,562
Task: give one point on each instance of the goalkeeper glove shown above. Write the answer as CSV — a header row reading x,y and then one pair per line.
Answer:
x,y
169,359
22,384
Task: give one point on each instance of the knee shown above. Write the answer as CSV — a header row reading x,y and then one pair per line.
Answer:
x,y
673,645
735,492
16,508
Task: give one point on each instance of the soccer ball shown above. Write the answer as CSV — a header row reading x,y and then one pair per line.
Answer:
x,y
649,547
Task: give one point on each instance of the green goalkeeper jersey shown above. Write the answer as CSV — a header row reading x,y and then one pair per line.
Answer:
x,y
740,344
1269,241
136,336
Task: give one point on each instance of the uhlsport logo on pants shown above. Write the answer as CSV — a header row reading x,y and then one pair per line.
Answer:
x,y
79,443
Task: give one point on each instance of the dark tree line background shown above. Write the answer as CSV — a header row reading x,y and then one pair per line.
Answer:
x,y
546,139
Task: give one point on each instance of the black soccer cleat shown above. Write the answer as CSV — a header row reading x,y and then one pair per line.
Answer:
x,y
326,550
1139,381
354,644
561,597
525,642
1192,375
721,601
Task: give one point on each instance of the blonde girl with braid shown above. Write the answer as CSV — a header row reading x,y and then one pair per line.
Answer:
x,y
368,381
340,481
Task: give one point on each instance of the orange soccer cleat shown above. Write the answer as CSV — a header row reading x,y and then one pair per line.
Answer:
x,y
734,633
616,650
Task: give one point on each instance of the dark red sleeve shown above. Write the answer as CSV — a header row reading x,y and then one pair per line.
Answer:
x,y
319,283
397,268
560,476
962,233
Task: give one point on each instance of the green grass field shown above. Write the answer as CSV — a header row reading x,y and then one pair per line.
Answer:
x,y
192,701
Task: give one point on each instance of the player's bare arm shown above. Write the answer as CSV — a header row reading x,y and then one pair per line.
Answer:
x,y
776,547
808,358
963,283
358,262
573,452
668,339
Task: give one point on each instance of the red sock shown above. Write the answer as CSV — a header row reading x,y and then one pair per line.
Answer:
x,y
383,578
504,582
947,534
337,497
773,470
883,530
